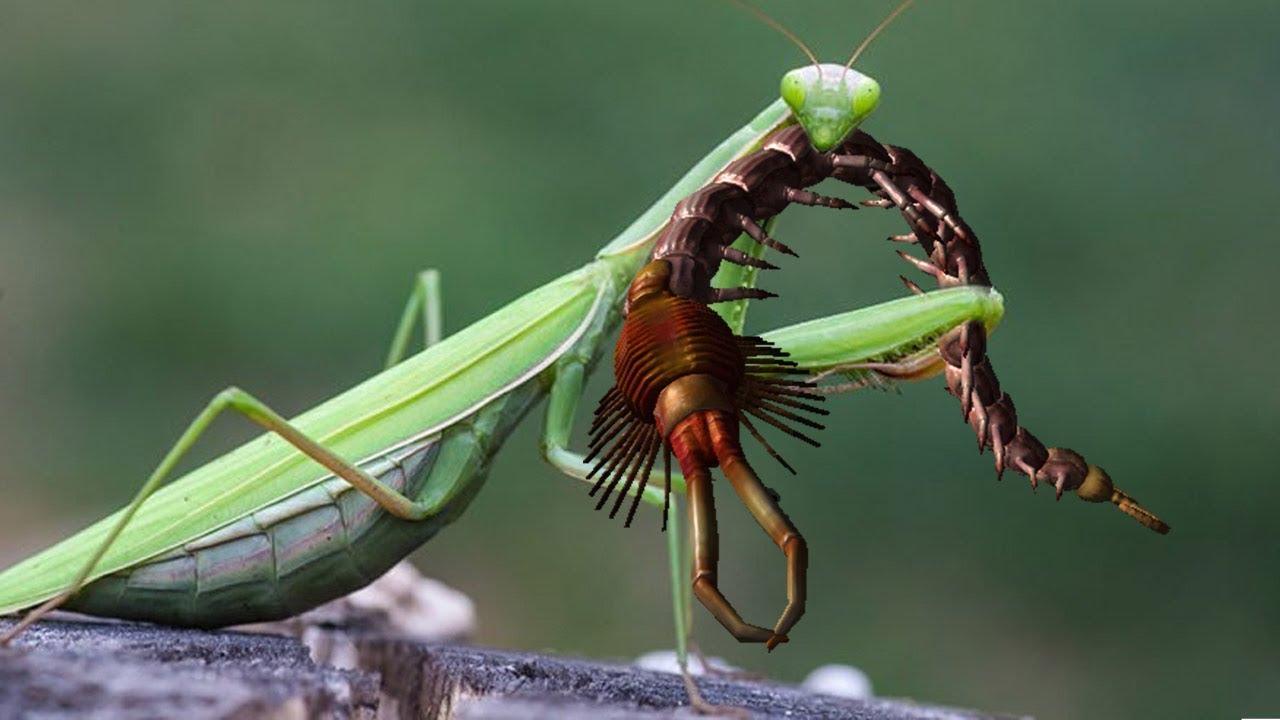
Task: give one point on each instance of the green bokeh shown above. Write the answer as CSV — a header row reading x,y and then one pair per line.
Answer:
x,y
195,194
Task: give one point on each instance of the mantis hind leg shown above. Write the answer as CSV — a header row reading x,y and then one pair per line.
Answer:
x,y
242,402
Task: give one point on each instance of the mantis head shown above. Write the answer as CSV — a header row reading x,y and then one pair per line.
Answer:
x,y
829,101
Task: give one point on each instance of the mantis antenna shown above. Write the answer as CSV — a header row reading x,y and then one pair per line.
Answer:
x,y
880,28
779,27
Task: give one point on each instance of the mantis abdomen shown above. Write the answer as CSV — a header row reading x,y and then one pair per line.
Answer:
x,y
324,542
321,543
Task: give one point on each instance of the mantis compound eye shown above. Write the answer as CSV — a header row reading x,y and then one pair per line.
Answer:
x,y
866,96
793,91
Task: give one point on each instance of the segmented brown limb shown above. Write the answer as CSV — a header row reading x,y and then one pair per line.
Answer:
x,y
955,258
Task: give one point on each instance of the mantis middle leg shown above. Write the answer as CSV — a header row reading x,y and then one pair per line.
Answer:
x,y
424,297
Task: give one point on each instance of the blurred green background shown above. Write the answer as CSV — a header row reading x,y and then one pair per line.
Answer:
x,y
195,194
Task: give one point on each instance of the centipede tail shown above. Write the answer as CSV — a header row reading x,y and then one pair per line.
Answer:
x,y
902,180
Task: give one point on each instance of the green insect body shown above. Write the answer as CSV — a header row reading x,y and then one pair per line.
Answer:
x,y
325,541
264,532
273,480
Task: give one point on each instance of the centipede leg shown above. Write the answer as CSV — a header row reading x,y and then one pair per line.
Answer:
x,y
919,226
813,199
936,209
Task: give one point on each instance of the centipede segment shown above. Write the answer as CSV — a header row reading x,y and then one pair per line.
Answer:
x,y
686,382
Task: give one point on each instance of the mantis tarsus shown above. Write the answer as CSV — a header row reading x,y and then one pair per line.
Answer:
x,y
420,433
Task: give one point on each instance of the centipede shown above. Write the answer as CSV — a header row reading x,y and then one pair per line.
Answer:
x,y
687,386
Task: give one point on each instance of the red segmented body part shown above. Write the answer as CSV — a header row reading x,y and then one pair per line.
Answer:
x,y
686,382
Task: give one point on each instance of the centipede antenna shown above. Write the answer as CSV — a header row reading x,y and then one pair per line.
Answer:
x,y
778,26
879,29
1130,507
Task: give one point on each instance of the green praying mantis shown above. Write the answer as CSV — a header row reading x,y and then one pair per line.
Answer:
x,y
325,502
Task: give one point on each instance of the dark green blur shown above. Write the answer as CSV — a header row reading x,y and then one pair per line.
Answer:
x,y
196,194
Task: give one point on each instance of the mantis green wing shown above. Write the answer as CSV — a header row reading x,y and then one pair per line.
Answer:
x,y
412,401
452,404
415,399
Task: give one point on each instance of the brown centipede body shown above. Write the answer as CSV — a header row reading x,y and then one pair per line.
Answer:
x,y
686,384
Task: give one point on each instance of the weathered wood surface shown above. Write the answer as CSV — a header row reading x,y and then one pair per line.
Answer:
x,y
67,669
108,671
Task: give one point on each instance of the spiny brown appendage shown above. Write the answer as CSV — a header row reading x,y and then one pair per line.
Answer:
x,y
755,187
738,200
955,258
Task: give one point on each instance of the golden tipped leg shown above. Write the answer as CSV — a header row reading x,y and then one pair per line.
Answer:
x,y
712,430
765,509
706,554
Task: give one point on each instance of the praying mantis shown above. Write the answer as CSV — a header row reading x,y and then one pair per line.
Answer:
x,y
322,502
